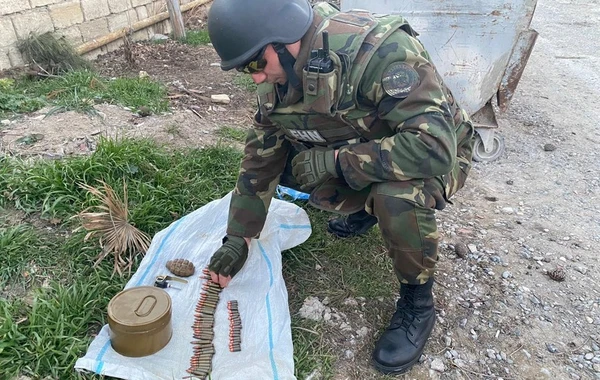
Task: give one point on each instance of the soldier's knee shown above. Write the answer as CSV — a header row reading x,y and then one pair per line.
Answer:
x,y
405,195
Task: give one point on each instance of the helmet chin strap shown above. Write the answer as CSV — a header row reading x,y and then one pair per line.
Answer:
x,y
288,61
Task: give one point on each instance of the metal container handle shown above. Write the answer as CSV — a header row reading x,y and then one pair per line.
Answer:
x,y
146,304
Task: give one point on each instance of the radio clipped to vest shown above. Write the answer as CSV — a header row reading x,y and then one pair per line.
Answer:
x,y
320,80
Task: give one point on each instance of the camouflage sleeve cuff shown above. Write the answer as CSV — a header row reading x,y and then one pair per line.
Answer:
x,y
247,216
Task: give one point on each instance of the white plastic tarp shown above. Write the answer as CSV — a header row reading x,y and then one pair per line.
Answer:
x,y
267,350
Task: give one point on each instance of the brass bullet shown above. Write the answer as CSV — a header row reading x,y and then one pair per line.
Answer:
x,y
203,319
203,336
200,357
200,372
198,363
209,299
203,322
209,302
202,326
201,341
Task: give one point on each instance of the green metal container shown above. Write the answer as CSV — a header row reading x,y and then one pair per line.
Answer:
x,y
140,321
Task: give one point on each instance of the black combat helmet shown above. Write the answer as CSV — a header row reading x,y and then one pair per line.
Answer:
x,y
239,29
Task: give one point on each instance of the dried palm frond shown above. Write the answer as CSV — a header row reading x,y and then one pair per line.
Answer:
x,y
53,55
110,220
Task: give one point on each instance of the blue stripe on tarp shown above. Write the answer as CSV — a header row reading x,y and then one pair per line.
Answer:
x,y
144,275
99,358
295,226
269,318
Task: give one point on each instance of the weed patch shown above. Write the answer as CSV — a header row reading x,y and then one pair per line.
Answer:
x,y
196,37
232,133
12,101
245,81
80,91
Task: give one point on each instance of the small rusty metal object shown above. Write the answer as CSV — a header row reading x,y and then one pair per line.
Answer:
x,y
557,274
181,267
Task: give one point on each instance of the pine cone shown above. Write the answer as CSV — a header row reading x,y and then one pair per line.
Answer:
x,y
181,267
557,274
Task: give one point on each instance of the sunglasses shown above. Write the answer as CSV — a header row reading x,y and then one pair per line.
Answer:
x,y
255,65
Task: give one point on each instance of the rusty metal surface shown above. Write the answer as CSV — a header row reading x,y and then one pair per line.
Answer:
x,y
471,43
515,67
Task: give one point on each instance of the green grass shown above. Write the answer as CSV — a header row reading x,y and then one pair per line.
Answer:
x,y
310,351
24,250
245,81
53,300
160,182
196,37
232,133
12,101
80,91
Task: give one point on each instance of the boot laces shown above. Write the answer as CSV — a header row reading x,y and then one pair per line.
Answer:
x,y
405,313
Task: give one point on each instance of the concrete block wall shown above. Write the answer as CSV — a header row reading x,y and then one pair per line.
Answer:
x,y
78,21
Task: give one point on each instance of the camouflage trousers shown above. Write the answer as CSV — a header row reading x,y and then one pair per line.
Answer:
x,y
405,213
406,216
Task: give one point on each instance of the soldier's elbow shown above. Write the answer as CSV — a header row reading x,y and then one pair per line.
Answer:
x,y
443,162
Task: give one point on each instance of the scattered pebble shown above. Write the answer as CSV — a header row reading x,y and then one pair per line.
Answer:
x,y
551,348
438,365
220,98
312,309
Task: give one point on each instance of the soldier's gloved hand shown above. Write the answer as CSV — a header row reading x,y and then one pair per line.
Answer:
x,y
314,166
230,257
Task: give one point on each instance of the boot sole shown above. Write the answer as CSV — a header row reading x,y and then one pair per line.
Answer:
x,y
396,370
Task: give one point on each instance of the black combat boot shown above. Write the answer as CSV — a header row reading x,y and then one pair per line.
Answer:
x,y
351,225
401,345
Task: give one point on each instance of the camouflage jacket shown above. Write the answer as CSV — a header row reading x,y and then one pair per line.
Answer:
x,y
383,106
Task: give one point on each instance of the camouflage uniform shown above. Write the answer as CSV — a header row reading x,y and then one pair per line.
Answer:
x,y
402,157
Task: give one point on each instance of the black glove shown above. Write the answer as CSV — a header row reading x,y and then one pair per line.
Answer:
x,y
314,166
230,257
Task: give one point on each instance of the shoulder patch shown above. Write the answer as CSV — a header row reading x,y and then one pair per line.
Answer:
x,y
399,79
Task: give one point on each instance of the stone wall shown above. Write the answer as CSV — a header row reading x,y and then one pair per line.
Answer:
x,y
78,21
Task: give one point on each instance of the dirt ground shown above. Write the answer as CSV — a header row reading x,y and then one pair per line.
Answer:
x,y
534,210
191,80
